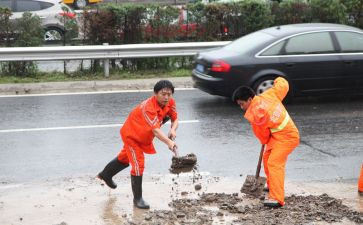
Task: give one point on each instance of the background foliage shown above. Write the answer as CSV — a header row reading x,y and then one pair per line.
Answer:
x,y
155,23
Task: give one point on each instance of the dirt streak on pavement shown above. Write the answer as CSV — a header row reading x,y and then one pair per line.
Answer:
x,y
89,86
173,199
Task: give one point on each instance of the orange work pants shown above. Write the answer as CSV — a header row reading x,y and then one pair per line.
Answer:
x,y
274,161
134,155
360,182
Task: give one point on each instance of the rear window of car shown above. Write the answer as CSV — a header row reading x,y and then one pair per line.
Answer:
x,y
311,43
248,42
5,4
350,41
274,50
28,6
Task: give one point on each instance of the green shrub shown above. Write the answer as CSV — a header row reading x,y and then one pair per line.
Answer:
x,y
6,27
328,11
354,11
29,33
291,11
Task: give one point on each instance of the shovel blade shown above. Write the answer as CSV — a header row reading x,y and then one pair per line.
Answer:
x,y
252,186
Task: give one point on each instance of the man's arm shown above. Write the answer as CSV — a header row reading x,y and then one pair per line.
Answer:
x,y
174,126
162,137
280,88
262,133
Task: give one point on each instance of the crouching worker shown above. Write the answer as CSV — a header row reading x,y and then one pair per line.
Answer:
x,y
138,132
273,126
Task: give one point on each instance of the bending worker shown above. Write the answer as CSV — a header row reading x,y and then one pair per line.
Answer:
x,y
360,182
273,126
138,132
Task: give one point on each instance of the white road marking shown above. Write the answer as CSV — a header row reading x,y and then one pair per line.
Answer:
x,y
77,127
87,93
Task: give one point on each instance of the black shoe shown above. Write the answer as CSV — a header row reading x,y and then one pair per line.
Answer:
x,y
136,184
271,203
360,193
111,169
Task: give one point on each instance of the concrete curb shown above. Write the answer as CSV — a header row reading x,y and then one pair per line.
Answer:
x,y
89,86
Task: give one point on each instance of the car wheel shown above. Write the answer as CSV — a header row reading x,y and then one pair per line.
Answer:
x,y
263,84
53,34
80,4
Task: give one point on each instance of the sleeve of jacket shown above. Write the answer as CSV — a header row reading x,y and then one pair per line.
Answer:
x,y
151,118
280,88
172,112
262,133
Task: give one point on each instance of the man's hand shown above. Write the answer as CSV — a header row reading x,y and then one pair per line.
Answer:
x,y
172,134
172,145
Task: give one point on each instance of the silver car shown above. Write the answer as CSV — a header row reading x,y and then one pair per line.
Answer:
x,y
49,12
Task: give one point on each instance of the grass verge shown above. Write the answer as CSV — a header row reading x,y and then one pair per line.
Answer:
x,y
87,76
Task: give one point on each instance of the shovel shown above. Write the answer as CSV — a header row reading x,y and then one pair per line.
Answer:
x,y
182,163
254,184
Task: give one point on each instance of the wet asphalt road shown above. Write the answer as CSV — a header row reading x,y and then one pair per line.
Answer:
x,y
331,136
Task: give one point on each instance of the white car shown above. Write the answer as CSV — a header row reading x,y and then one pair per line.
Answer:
x,y
49,12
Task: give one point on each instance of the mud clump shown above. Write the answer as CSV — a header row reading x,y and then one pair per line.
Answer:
x,y
297,210
197,187
254,186
183,163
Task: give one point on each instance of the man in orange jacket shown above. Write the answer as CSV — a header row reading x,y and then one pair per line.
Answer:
x,y
273,126
360,182
138,132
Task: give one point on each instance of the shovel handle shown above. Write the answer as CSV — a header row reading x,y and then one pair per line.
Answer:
x,y
259,162
175,150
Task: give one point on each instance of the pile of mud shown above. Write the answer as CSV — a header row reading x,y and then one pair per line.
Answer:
x,y
183,163
210,208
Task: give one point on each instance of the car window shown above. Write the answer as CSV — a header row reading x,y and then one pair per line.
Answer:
x,y
350,41
248,42
313,43
5,4
45,5
274,50
27,6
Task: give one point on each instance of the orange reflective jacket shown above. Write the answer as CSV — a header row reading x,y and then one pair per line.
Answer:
x,y
268,116
147,116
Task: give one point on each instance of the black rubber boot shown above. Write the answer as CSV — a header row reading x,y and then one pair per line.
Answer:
x,y
110,170
136,183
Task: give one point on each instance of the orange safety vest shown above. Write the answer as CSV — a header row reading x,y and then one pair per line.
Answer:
x,y
145,117
269,119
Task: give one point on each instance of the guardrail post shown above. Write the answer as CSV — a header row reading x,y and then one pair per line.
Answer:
x,y
106,65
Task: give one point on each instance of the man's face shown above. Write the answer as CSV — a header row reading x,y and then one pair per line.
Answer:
x,y
163,96
244,104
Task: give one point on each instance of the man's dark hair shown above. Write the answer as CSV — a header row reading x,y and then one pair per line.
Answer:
x,y
243,93
163,84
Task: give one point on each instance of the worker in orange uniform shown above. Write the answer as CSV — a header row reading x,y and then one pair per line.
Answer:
x,y
138,132
273,126
360,182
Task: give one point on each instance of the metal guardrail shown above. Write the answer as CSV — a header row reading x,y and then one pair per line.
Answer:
x,y
105,52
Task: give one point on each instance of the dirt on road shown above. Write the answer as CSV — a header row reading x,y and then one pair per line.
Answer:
x,y
234,209
186,198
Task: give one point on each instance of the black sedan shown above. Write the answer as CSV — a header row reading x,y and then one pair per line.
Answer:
x,y
315,58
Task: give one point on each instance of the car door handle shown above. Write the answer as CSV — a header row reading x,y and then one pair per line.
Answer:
x,y
290,64
348,62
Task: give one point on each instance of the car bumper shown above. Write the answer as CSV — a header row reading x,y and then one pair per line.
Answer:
x,y
211,85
